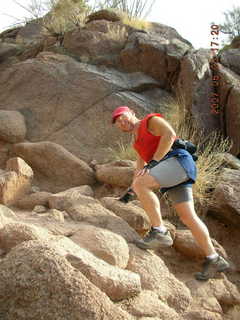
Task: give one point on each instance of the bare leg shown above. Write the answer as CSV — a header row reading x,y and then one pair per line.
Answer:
x,y
143,186
199,230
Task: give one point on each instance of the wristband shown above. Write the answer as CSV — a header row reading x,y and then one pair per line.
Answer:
x,y
151,164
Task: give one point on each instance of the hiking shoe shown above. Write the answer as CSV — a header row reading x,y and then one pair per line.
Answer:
x,y
155,239
211,266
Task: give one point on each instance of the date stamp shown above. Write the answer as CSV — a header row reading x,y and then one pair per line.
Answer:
x,y
214,47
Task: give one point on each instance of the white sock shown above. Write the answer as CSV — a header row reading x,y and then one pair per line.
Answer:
x,y
161,229
213,256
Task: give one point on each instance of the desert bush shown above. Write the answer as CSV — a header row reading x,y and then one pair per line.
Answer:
x,y
56,16
117,33
65,15
135,22
60,16
123,151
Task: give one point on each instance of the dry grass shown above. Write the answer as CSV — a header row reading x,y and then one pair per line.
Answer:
x,y
136,23
176,113
209,164
117,33
124,151
65,15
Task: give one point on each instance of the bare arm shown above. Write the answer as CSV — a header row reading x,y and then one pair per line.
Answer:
x,y
160,127
139,166
140,163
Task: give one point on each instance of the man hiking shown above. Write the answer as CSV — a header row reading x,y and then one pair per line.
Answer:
x,y
160,165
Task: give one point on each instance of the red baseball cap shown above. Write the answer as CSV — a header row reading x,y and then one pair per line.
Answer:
x,y
118,111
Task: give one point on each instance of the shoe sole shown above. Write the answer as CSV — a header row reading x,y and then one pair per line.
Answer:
x,y
224,269
199,276
153,246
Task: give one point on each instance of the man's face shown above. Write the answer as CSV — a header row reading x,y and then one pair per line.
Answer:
x,y
125,122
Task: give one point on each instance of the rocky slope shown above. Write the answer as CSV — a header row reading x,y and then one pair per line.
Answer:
x,y
66,243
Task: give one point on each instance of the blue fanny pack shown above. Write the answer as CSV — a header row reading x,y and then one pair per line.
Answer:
x,y
187,162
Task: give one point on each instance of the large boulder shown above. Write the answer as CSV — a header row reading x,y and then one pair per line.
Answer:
x,y
107,15
56,215
147,304
118,284
30,51
155,276
31,200
91,211
185,243
85,209
47,221
205,308
12,126
9,35
8,187
4,155
31,33
99,42
103,243
194,88
48,287
115,173
16,181
235,43
19,166
154,55
15,233
6,216
62,199
214,293
41,88
132,214
8,50
115,282
231,59
229,95
56,163
167,32
226,204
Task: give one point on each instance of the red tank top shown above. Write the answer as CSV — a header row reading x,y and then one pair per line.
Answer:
x,y
146,143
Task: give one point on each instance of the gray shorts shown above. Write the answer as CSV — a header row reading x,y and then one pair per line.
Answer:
x,y
169,173
180,194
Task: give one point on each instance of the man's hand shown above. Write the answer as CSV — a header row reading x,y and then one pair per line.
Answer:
x,y
147,167
127,196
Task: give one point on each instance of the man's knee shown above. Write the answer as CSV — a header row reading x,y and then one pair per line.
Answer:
x,y
145,182
189,217
137,184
